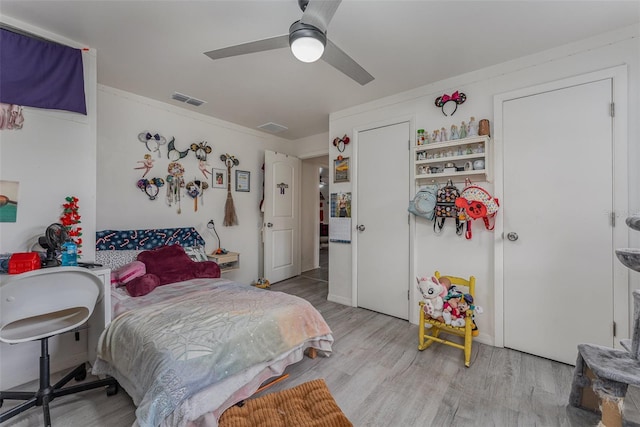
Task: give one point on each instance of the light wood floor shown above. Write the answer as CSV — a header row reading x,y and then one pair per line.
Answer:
x,y
379,378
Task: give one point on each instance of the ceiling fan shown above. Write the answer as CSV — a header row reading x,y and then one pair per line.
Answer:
x,y
308,41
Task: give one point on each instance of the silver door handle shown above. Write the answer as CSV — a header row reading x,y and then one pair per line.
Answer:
x,y
360,227
269,225
512,236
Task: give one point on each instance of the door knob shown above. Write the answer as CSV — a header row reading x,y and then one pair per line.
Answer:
x,y
360,227
269,225
512,236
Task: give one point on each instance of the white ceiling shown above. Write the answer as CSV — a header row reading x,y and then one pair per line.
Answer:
x,y
154,48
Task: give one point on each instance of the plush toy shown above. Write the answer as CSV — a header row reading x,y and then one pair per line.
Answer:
x,y
433,293
465,304
451,311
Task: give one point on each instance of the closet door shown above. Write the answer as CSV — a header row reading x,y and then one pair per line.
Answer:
x,y
383,236
558,236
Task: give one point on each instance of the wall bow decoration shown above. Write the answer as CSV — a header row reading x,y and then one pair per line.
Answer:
x,y
456,97
340,143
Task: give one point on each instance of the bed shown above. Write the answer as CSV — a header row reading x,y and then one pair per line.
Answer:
x,y
188,350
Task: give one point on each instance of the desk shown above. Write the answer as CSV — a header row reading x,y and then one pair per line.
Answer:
x,y
227,262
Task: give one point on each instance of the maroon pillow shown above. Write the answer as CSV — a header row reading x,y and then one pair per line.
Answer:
x,y
170,263
207,269
142,285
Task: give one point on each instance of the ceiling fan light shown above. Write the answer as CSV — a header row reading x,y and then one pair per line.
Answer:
x,y
307,49
307,42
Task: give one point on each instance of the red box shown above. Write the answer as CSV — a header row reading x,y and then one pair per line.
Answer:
x,y
24,261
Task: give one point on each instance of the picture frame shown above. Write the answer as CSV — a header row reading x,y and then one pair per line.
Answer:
x,y
341,169
218,178
243,181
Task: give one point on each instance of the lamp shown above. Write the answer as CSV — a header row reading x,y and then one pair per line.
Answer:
x,y
307,42
212,226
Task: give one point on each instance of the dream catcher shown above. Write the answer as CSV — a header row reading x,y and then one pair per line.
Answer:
x,y
151,187
196,189
230,217
152,142
175,181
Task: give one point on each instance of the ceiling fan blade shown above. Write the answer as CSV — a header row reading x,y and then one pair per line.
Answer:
x,y
251,47
336,57
319,13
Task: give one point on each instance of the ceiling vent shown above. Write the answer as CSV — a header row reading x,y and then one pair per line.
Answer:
x,y
273,127
188,99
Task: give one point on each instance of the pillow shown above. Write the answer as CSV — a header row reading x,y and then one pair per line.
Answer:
x,y
142,285
170,263
115,259
127,273
207,269
196,253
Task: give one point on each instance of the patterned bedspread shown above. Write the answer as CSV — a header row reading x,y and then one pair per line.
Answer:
x,y
186,359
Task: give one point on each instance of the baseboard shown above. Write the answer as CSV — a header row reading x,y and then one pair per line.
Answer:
x,y
339,299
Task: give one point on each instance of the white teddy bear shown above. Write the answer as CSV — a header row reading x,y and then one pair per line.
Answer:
x,y
433,293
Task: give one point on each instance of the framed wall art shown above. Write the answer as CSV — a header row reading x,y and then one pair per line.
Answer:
x,y
243,180
218,178
341,169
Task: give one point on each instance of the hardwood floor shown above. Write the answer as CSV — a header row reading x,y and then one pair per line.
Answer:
x,y
379,378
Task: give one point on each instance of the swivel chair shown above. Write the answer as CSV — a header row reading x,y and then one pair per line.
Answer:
x,y
38,305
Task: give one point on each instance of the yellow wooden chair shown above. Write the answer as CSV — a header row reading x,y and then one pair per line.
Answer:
x,y
427,335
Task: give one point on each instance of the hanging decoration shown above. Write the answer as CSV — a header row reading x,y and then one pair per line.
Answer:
x,y
172,153
152,141
147,164
70,219
230,217
204,168
175,181
456,97
201,150
196,189
11,116
340,143
151,187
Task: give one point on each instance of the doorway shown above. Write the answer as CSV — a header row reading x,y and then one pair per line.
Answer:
x,y
315,214
555,242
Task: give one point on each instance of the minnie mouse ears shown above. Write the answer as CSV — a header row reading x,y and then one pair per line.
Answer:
x,y
457,97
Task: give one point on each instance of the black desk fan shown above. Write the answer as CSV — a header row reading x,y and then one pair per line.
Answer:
x,y
52,241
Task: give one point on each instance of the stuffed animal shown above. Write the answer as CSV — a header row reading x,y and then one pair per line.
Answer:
x,y
465,304
433,293
451,311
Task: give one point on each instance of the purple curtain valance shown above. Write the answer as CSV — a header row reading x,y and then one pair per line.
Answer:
x,y
40,74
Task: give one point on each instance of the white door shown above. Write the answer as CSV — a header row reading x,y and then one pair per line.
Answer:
x,y
383,220
558,248
281,216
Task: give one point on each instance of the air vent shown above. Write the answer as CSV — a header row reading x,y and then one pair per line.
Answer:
x,y
188,99
272,127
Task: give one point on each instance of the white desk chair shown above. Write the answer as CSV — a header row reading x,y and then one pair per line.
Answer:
x,y
40,304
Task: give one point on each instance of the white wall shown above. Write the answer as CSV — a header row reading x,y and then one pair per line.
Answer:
x,y
121,205
447,252
52,157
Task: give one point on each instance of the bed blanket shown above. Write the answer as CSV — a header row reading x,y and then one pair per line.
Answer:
x,y
211,342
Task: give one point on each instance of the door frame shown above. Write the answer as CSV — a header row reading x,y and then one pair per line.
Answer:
x,y
621,287
354,209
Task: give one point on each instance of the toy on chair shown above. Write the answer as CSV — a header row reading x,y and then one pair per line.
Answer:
x,y
431,326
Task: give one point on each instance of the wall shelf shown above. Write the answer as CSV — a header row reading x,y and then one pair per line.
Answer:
x,y
430,160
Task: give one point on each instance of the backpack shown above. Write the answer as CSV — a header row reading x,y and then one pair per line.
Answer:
x,y
446,207
424,203
477,203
